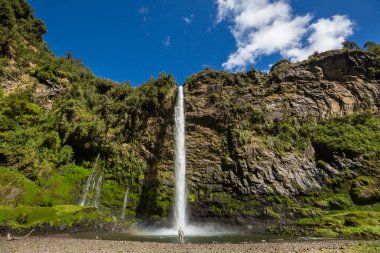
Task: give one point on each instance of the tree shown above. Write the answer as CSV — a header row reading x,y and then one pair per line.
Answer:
x,y
373,48
6,38
39,29
350,45
7,18
370,44
69,55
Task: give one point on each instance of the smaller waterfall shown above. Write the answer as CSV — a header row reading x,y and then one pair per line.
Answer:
x,y
125,202
90,182
98,190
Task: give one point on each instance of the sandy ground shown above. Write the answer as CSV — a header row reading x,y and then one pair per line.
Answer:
x,y
66,244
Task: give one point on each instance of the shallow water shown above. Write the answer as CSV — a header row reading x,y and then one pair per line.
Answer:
x,y
222,238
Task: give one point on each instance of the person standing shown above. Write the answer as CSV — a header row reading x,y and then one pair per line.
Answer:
x,y
181,235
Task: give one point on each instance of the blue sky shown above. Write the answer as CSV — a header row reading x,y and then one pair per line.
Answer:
x,y
136,39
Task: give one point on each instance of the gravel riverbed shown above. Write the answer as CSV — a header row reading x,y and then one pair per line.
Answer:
x,y
66,244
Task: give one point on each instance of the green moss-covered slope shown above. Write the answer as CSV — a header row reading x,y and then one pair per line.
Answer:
x,y
56,118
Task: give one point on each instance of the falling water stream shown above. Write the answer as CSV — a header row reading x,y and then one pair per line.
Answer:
x,y
93,186
180,163
90,181
125,202
98,190
180,209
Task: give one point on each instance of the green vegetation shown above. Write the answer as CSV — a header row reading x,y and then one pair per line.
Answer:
x,y
366,248
349,206
346,223
373,48
288,136
350,45
56,117
57,216
350,136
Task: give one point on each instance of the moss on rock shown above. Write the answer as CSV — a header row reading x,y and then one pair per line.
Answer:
x,y
54,217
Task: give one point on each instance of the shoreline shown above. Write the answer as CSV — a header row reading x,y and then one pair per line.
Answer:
x,y
65,243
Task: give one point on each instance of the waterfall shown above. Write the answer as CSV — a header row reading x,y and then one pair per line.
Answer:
x,y
125,202
90,181
180,163
98,190
180,215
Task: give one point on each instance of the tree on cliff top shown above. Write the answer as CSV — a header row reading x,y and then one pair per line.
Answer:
x,y
372,47
350,45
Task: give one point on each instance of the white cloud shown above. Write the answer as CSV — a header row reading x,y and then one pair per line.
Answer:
x,y
166,41
264,27
143,10
325,34
188,19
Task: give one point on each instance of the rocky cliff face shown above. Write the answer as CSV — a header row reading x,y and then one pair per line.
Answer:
x,y
233,165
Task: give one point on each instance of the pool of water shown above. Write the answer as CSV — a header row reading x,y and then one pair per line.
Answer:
x,y
214,238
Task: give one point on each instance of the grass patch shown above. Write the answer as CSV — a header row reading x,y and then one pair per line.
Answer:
x,y
15,189
346,223
60,188
326,233
32,216
366,248
64,187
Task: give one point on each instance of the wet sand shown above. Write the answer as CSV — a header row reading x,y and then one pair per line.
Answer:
x,y
65,244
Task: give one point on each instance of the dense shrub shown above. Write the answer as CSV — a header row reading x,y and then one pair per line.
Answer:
x,y
351,136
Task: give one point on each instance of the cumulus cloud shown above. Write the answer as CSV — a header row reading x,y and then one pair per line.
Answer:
x,y
325,34
264,27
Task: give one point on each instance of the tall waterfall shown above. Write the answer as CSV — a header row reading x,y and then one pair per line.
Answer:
x,y
180,163
180,215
